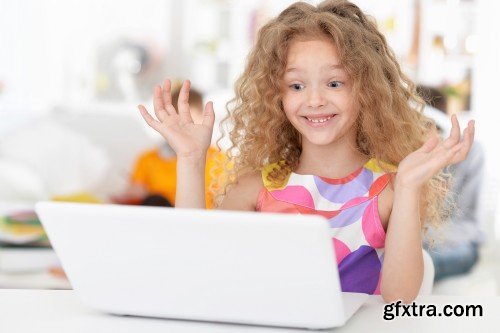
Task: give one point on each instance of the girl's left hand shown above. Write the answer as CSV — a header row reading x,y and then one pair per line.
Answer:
x,y
420,166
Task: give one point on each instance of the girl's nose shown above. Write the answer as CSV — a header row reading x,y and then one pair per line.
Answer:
x,y
315,98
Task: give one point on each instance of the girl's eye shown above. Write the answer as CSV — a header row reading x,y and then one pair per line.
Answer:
x,y
335,84
297,86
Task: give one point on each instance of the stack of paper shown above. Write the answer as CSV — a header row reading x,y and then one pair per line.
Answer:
x,y
24,245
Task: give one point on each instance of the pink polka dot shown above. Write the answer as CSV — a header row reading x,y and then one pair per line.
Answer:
x,y
341,250
372,228
297,195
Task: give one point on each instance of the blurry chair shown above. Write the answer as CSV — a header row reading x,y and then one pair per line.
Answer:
x,y
428,280
482,280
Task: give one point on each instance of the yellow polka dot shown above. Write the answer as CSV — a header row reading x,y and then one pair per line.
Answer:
x,y
267,183
378,166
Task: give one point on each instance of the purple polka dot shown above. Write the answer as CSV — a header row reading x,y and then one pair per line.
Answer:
x,y
348,216
360,271
340,193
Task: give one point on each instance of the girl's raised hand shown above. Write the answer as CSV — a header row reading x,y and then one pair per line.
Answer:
x,y
187,139
421,165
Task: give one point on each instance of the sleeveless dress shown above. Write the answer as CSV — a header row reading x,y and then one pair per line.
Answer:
x,y
351,206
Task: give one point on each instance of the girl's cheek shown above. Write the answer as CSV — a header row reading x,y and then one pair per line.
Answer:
x,y
286,103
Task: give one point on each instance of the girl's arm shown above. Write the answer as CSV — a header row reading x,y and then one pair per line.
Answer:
x,y
190,187
402,270
190,141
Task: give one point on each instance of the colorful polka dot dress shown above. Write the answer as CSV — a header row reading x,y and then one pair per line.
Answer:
x,y
350,205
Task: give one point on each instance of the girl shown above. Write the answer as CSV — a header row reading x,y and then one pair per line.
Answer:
x,y
322,114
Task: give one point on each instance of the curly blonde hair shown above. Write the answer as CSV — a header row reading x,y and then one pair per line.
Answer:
x,y
390,124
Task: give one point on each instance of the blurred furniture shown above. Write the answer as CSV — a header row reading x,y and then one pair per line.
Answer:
x,y
482,280
39,275
428,280
88,149
122,135
33,280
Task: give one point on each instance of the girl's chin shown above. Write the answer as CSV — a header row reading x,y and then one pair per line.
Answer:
x,y
320,140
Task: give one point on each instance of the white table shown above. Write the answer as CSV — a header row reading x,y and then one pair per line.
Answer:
x,y
60,311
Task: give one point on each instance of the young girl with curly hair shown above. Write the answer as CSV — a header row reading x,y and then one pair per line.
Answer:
x,y
325,122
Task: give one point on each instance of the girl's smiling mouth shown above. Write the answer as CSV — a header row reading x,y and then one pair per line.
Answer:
x,y
318,120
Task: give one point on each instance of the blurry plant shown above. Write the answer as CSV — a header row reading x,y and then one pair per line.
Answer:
x,y
451,91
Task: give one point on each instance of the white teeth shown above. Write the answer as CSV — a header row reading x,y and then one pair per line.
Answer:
x,y
322,120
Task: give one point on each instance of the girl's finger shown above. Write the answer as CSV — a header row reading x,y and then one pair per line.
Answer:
x,y
472,124
157,99
454,137
209,115
183,103
159,108
469,134
466,143
444,158
166,96
153,123
430,144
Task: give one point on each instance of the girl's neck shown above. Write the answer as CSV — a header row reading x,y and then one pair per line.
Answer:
x,y
336,160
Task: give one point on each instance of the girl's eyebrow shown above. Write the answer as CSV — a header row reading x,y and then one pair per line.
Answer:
x,y
327,67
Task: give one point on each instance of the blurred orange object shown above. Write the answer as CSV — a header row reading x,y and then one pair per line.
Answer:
x,y
58,272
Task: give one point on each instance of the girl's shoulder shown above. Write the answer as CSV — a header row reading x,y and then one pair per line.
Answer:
x,y
243,195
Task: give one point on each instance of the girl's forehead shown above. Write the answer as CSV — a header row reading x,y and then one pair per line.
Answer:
x,y
315,51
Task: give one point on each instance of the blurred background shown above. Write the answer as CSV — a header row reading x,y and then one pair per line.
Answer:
x,y
72,73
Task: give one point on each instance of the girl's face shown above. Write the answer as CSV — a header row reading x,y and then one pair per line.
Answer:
x,y
317,93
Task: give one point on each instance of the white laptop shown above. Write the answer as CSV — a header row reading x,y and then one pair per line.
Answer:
x,y
219,266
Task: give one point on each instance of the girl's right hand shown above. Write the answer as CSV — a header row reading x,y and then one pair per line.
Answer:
x,y
187,139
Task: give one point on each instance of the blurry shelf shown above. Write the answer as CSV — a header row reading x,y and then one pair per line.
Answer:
x,y
36,280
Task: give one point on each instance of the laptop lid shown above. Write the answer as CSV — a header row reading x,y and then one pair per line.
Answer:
x,y
227,266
